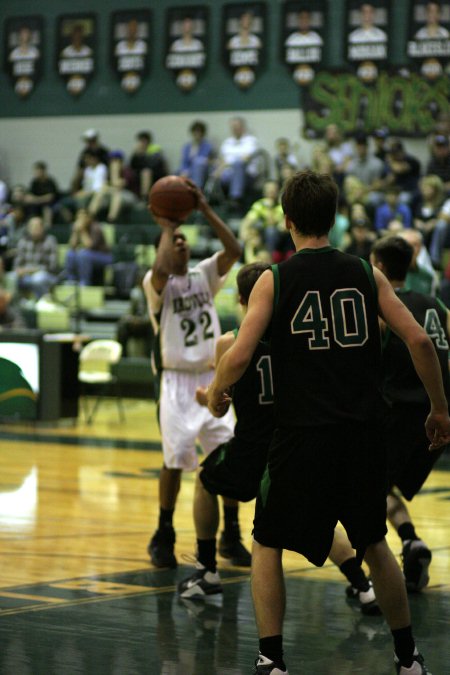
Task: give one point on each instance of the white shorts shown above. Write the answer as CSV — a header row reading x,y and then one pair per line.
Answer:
x,y
183,421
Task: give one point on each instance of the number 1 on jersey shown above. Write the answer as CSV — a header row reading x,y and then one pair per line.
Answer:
x,y
264,367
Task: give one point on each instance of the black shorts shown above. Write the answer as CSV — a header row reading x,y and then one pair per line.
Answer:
x,y
409,459
317,476
234,470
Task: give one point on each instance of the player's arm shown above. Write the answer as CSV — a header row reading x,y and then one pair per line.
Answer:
x,y
162,267
222,345
401,321
231,247
236,359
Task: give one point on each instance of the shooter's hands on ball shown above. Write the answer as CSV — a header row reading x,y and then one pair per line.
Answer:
x,y
218,401
202,204
165,222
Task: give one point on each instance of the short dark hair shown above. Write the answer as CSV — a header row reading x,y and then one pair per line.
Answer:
x,y
40,165
198,125
247,278
144,135
396,254
309,200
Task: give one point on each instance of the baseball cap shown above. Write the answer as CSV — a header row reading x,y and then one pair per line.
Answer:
x,y
440,139
381,132
89,134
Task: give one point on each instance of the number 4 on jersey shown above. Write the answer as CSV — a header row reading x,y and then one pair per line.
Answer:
x,y
434,329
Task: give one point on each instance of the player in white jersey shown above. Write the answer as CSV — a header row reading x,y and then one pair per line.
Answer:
x,y
181,306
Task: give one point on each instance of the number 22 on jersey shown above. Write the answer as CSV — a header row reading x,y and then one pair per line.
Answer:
x,y
189,328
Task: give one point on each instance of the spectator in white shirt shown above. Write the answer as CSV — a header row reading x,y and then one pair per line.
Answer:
x,y
238,166
95,176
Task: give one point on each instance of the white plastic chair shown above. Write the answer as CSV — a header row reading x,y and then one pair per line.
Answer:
x,y
95,361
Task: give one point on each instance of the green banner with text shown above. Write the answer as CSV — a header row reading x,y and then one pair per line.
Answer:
x,y
407,105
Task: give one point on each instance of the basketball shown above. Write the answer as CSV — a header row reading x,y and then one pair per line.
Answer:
x,y
171,197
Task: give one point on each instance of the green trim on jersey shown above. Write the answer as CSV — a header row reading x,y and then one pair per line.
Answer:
x,y
441,304
385,339
276,283
323,249
264,486
369,271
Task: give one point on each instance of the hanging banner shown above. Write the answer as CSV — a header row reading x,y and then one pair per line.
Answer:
x,y
130,32
23,39
406,106
186,31
244,41
429,39
302,39
76,43
367,38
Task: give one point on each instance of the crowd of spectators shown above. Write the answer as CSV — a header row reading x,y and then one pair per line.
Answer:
x,y
384,189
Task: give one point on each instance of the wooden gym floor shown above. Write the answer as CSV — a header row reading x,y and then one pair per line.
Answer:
x,y
78,595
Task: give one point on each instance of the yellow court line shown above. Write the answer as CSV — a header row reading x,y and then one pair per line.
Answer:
x,y
24,596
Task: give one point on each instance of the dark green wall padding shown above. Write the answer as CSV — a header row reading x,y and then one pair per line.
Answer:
x,y
215,91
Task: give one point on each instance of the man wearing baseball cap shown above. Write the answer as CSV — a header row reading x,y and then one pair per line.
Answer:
x,y
439,162
91,139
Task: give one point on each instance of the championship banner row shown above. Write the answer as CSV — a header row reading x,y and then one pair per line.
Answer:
x,y
246,29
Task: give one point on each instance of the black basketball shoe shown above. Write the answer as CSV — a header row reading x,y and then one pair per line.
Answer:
x,y
161,546
232,548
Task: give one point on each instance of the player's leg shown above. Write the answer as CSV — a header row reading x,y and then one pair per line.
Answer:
x,y
178,426
410,464
391,595
215,432
269,600
415,553
360,589
205,580
230,543
161,545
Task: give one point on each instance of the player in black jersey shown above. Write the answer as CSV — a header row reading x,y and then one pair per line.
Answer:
x,y
234,469
323,308
410,462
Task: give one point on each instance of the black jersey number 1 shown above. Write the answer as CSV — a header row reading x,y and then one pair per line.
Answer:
x,y
264,367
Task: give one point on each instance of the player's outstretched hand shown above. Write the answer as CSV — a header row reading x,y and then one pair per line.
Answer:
x,y
200,197
201,396
437,427
218,402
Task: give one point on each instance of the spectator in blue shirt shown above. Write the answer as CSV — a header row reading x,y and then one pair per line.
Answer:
x,y
392,210
196,156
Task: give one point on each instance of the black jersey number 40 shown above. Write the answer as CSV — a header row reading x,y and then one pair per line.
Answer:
x,y
348,315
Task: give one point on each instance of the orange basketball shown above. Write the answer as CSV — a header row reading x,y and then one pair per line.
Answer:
x,y
171,197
